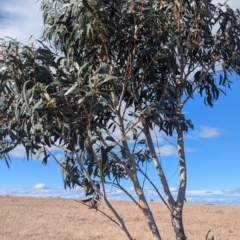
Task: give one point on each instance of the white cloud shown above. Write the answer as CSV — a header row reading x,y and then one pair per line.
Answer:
x,y
20,19
20,152
203,192
173,189
41,186
167,150
232,191
219,197
232,3
188,149
205,132
208,132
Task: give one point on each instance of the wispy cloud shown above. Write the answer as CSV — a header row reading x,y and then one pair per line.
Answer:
x,y
20,152
233,191
208,132
189,149
173,189
20,19
41,186
232,3
205,132
224,197
167,150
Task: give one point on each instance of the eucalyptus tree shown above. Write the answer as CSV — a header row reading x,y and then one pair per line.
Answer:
x,y
108,73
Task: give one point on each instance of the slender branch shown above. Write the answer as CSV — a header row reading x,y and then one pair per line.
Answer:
x,y
126,192
115,156
122,96
61,165
99,211
169,141
120,220
154,186
63,148
135,143
139,191
158,166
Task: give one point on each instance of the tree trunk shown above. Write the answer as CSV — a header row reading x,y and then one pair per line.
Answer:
x,y
142,200
120,220
158,166
146,210
177,223
133,175
137,187
177,220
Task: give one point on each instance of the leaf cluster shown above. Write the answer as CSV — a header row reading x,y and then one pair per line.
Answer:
x,y
144,57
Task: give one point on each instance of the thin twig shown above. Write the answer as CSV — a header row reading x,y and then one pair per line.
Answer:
x,y
99,211
160,195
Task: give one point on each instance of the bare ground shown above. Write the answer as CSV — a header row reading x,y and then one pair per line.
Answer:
x,y
48,218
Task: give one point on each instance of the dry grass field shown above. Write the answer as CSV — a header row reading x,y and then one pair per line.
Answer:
x,y
48,218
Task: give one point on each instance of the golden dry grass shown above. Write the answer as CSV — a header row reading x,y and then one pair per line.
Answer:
x,y
48,218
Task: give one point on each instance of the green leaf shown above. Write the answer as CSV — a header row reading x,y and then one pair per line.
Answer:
x,y
47,140
103,69
2,99
125,138
37,104
71,88
82,67
25,95
81,100
89,29
6,159
44,161
110,125
104,156
135,134
22,109
6,150
123,152
108,138
12,135
41,150
109,78
38,126
109,148
143,141
129,124
88,146
133,114
49,115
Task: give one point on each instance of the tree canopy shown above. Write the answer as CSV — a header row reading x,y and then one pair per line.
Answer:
x,y
104,75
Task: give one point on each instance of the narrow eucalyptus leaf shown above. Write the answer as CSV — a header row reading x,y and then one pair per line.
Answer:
x,y
71,89
108,138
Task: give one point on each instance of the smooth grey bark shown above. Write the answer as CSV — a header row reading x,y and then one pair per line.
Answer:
x,y
137,187
158,167
133,176
177,219
176,207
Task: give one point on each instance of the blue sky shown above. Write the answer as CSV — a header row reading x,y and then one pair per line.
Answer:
x,y
212,148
